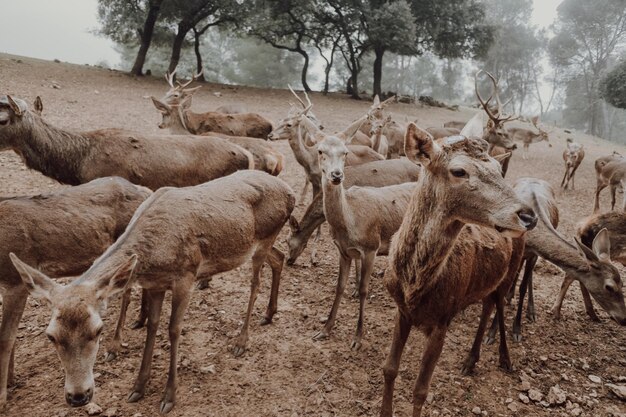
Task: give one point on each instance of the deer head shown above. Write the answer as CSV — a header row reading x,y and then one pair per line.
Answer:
x,y
572,152
294,110
76,320
469,182
173,115
495,133
542,133
377,108
179,92
377,125
332,153
284,128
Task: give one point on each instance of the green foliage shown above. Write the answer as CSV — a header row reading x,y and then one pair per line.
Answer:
x,y
391,27
613,86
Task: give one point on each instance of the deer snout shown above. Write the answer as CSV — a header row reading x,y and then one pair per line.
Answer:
x,y
78,399
336,176
527,217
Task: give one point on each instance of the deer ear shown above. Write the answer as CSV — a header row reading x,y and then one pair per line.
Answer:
x,y
186,103
38,283
38,105
15,107
419,145
473,128
376,101
190,91
160,106
585,252
502,157
116,280
601,245
293,224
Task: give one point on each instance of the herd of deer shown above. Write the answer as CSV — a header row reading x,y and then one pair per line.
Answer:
x,y
162,212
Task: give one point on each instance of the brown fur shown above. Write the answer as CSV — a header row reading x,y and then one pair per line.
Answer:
x,y
151,161
61,233
231,109
439,264
175,236
527,136
610,171
573,155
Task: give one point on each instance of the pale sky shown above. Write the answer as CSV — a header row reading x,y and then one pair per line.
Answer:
x,y
60,29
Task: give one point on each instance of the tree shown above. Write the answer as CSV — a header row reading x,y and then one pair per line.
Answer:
x,y
587,34
613,86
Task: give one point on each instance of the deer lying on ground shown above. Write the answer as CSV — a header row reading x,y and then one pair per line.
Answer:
x,y
61,233
379,140
614,223
453,249
456,124
265,157
361,220
151,161
610,171
173,236
527,136
588,263
573,155
372,174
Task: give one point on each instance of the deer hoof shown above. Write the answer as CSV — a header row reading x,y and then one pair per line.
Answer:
x,y
356,345
467,368
531,317
238,351
517,337
110,357
134,397
355,293
166,406
137,325
265,321
506,366
593,317
322,335
489,340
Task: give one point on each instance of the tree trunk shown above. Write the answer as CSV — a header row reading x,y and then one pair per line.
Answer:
x,y
355,84
196,47
146,37
378,71
305,69
177,46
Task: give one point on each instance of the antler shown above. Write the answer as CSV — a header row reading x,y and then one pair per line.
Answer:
x,y
304,106
170,78
194,77
496,118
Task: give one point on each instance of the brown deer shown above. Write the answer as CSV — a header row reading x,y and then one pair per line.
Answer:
x,y
372,174
173,236
379,140
573,155
151,161
527,136
361,220
610,171
453,249
265,157
588,231
61,233
393,131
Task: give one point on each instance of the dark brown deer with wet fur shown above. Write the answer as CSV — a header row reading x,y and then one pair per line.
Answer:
x,y
61,233
453,249
173,237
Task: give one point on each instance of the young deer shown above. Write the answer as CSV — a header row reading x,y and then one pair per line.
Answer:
x,y
610,171
527,136
393,131
589,263
362,221
573,155
588,231
452,250
379,140
151,161
36,228
175,235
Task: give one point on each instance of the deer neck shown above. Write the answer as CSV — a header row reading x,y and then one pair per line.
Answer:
x,y
180,124
54,152
305,155
555,250
426,237
377,138
336,208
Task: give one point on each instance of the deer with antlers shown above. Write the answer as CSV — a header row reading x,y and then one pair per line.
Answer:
x,y
573,155
174,235
527,136
61,233
453,249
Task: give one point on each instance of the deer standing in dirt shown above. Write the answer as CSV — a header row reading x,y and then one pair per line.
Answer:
x,y
379,140
361,220
265,157
610,171
175,235
151,161
573,155
453,249
614,223
527,136
393,131
61,233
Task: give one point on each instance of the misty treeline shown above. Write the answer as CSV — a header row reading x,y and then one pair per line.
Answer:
x,y
409,47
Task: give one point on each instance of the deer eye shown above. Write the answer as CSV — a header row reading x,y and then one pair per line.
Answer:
x,y
458,172
51,338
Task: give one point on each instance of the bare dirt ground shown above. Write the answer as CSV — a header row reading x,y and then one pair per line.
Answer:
x,y
284,372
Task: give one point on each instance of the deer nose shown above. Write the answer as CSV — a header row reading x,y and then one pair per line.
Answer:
x,y
336,176
527,217
79,399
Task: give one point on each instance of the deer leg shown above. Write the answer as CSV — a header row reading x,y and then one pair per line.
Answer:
x,y
13,304
203,281
430,357
143,313
275,259
401,332
314,246
258,259
305,188
613,189
556,308
563,183
505,359
180,301
115,345
491,335
588,304
599,187
531,315
367,265
154,303
357,277
467,367
344,270
528,271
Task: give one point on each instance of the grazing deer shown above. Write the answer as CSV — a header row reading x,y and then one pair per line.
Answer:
x,y
174,235
362,221
453,249
151,161
610,171
588,232
456,124
379,140
527,136
61,233
372,174
573,155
